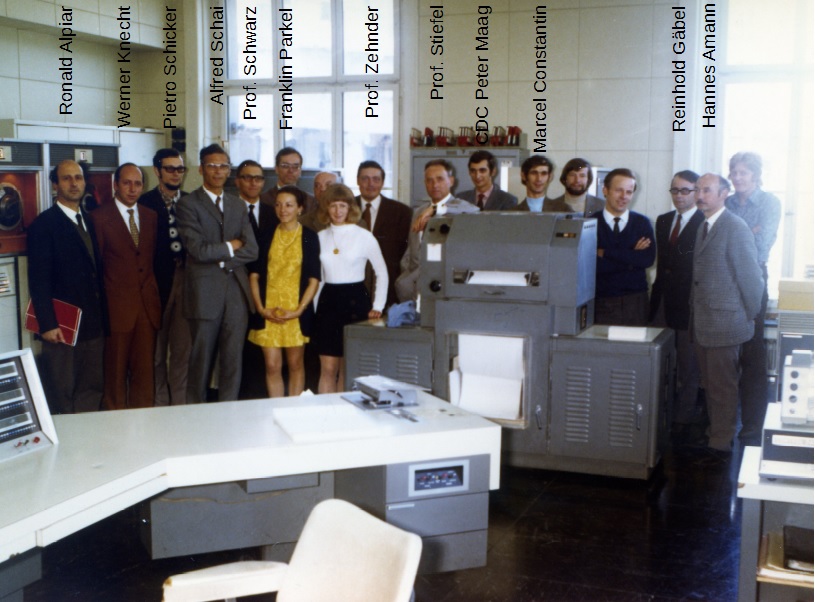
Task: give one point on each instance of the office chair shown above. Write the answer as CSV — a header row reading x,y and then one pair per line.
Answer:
x,y
343,554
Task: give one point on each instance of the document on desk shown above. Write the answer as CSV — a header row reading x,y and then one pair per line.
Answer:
x,y
311,424
490,375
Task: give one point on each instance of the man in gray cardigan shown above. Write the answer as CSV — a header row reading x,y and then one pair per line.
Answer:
x,y
725,299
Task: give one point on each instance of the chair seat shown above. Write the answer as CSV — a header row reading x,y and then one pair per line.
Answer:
x,y
232,580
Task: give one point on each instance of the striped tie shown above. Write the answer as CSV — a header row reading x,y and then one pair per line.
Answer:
x,y
134,230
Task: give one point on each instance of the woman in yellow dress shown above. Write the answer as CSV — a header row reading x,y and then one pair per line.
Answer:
x,y
284,280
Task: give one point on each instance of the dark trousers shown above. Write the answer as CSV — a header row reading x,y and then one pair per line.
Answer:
x,y
626,310
753,382
73,377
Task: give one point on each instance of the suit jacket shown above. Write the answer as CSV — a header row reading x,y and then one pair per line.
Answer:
x,y
163,262
674,270
127,269
497,201
391,230
310,268
60,267
524,206
204,232
727,283
559,205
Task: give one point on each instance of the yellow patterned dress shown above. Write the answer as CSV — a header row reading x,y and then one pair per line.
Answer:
x,y
283,290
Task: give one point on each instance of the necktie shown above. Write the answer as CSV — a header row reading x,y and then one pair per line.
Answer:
x,y
252,219
218,205
134,230
616,225
704,231
481,200
366,215
79,222
675,231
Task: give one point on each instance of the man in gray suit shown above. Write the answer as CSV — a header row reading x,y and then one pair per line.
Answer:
x,y
725,298
576,178
536,174
217,235
486,196
438,180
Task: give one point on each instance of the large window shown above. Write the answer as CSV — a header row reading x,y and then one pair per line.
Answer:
x,y
318,75
767,107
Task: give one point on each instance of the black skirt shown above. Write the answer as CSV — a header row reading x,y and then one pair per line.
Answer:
x,y
340,305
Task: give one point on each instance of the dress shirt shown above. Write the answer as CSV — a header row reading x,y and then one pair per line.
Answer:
x,y
685,217
712,219
374,209
486,194
535,205
763,211
212,197
71,214
441,206
123,211
610,219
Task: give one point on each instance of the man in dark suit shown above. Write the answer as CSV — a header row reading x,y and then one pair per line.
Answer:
x,y
388,220
725,299
127,232
670,295
288,167
483,168
576,178
536,174
625,249
219,241
64,263
173,341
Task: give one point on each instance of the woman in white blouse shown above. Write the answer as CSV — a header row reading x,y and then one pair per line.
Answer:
x,y
345,250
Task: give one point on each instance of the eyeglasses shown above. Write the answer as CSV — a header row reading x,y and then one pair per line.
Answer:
x,y
174,168
289,166
255,179
682,191
217,166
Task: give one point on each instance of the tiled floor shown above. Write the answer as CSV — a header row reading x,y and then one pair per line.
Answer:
x,y
553,536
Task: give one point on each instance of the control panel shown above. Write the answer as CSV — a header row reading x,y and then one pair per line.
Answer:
x,y
439,477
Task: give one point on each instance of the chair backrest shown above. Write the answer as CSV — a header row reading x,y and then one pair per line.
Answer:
x,y
346,554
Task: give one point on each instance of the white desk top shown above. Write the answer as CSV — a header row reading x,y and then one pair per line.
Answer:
x,y
108,461
753,486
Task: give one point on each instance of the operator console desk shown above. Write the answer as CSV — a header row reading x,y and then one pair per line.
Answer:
x,y
108,461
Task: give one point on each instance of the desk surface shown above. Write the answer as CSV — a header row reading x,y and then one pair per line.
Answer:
x,y
108,461
754,486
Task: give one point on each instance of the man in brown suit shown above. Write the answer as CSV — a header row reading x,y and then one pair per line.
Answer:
x,y
127,235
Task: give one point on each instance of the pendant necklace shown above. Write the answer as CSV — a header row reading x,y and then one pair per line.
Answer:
x,y
334,240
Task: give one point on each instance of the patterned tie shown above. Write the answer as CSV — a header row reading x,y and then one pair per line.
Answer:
x,y
675,231
366,215
481,200
704,231
134,230
616,225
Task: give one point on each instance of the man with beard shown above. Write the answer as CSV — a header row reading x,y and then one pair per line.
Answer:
x,y
171,362
576,178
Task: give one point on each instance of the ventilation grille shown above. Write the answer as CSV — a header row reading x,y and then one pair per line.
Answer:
x,y
795,322
368,363
578,404
407,369
622,408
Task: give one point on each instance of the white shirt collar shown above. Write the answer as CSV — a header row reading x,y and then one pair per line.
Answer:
x,y
607,215
712,219
123,211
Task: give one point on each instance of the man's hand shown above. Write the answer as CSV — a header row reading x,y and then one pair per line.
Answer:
x,y
53,336
236,244
421,221
642,244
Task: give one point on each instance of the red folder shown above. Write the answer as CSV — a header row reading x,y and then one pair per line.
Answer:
x,y
68,318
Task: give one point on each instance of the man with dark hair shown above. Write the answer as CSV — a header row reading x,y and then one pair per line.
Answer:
x,y
725,299
536,174
676,239
219,241
483,168
289,168
625,249
576,178
761,211
388,220
127,233
64,264
438,180
173,338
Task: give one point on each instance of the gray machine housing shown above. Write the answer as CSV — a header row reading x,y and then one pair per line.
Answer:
x,y
624,387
